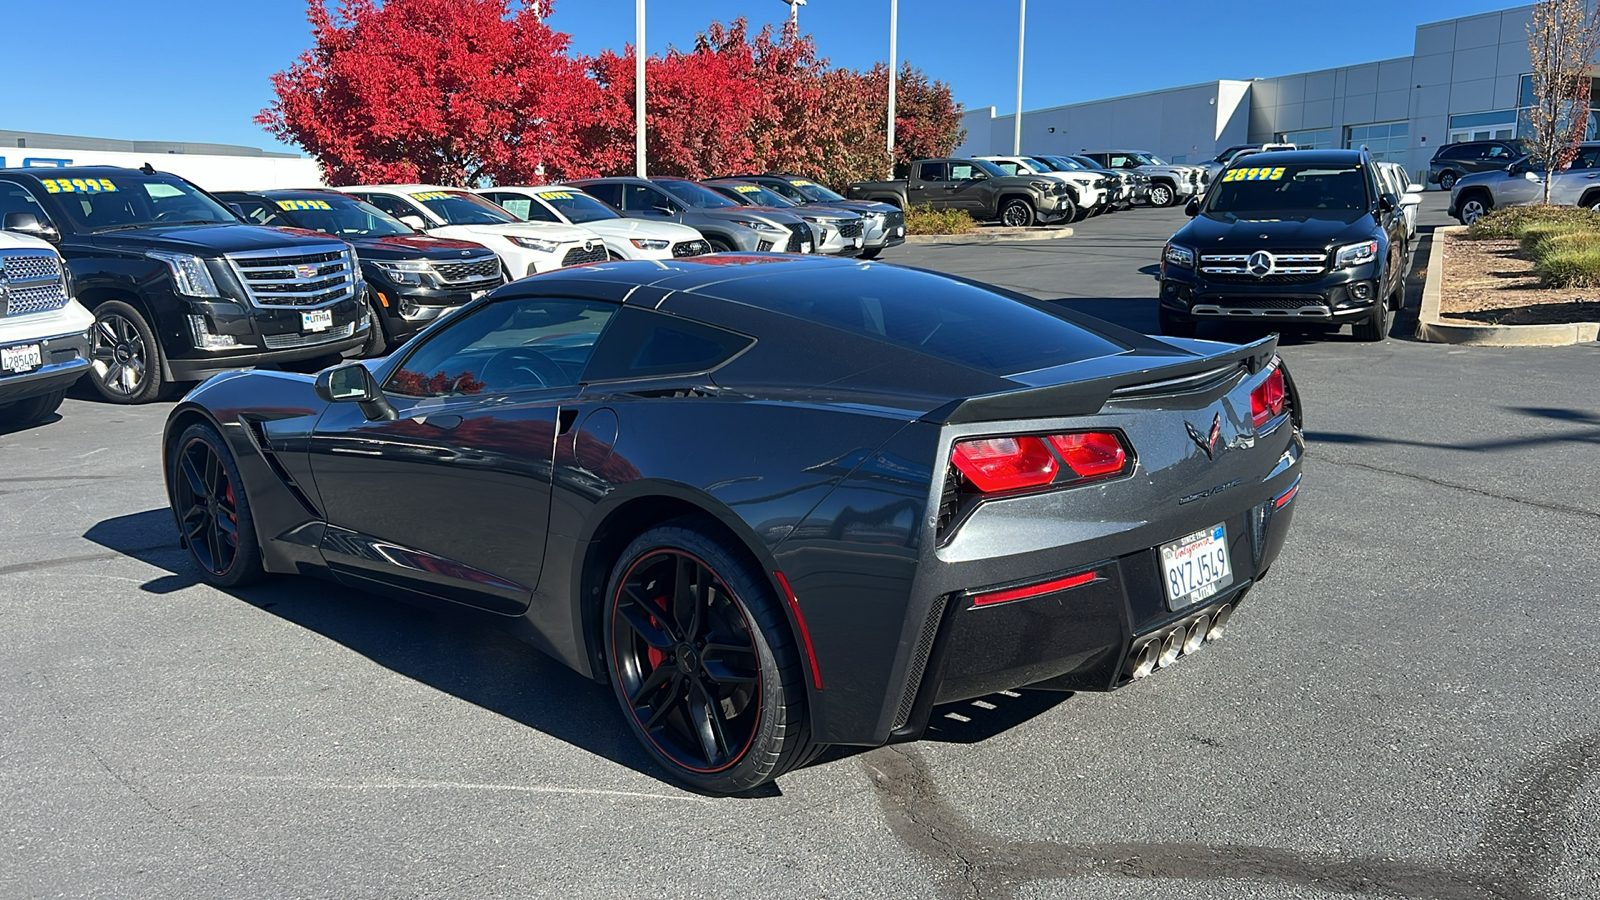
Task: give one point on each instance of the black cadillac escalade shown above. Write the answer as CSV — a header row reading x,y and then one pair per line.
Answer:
x,y
180,288
1298,236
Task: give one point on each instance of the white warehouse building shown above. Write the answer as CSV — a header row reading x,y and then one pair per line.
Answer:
x,y
1467,80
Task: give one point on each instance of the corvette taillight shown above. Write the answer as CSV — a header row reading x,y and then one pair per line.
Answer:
x,y
1268,399
1005,463
1000,464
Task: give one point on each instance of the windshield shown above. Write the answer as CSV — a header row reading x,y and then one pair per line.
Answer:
x,y
990,167
814,191
1148,159
1012,168
462,208
130,199
757,195
577,207
1245,192
332,214
1087,163
696,196
1065,164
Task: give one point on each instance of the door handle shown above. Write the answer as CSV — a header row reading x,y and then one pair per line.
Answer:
x,y
444,423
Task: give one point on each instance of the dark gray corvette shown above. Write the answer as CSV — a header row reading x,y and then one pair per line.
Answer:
x,y
777,502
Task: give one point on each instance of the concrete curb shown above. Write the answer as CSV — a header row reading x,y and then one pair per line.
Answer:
x,y
1433,327
991,236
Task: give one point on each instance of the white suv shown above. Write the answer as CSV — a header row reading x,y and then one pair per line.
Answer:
x,y
526,248
626,238
1088,191
44,333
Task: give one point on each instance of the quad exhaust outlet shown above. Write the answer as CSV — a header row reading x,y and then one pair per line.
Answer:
x,y
1157,651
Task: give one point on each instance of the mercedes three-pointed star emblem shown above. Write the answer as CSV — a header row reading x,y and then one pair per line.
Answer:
x,y
1260,263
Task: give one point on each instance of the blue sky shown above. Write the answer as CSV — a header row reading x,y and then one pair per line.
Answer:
x,y
197,70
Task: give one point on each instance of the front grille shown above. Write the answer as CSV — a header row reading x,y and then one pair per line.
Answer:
x,y
34,282
471,270
291,341
690,248
764,246
850,229
1261,302
1299,267
893,222
577,256
296,278
800,233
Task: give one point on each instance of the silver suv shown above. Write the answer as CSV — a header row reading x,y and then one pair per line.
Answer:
x,y
1522,184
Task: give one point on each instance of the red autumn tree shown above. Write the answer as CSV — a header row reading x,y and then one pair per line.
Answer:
x,y
444,91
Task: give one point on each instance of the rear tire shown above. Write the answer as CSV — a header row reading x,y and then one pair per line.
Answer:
x,y
718,245
1018,213
702,661
1473,207
33,409
1447,180
124,355
213,512
1162,195
1174,326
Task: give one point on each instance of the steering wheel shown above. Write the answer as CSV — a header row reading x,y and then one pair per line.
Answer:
x,y
521,367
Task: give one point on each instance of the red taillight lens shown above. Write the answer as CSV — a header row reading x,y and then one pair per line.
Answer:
x,y
1092,453
1268,399
1005,463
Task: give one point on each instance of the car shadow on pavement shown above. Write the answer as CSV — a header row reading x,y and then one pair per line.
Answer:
x,y
450,651
18,428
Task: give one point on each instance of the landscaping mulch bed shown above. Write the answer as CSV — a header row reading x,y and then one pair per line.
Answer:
x,y
1491,282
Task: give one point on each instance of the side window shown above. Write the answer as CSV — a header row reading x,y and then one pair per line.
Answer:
x,y
642,198
258,213
961,171
1118,161
14,198
1588,158
523,344
394,206
933,171
1496,151
609,193
642,343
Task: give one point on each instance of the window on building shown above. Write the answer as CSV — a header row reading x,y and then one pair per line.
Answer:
x,y
1317,139
1500,125
1180,159
1386,142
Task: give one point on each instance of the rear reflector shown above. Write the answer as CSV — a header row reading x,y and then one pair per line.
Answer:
x,y
1282,499
805,632
1091,453
1033,590
1267,400
1005,463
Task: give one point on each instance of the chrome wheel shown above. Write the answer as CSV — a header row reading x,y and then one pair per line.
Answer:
x,y
207,507
686,661
119,356
1160,195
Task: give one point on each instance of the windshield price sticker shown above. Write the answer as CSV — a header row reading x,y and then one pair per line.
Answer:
x,y
746,188
432,195
800,182
1257,174
557,195
303,204
78,185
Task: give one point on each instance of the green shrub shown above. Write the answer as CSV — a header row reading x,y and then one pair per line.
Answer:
x,y
927,220
1571,266
1510,222
1538,244
1536,235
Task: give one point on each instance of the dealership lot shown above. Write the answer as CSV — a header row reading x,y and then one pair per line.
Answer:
x,y
1404,708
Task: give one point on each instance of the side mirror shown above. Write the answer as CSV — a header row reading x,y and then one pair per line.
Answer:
x,y
415,223
237,209
28,223
353,383
1415,188
1386,203
1411,198
1192,208
1531,175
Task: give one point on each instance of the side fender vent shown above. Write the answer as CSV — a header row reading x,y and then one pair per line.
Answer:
x,y
919,662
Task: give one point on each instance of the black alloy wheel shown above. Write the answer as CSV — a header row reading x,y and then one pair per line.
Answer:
x,y
213,515
1018,213
1447,180
702,661
1162,195
124,356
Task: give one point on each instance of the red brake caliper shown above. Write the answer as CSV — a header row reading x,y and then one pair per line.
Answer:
x,y
657,656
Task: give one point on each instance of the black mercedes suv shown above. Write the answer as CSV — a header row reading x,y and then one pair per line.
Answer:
x,y
1296,236
180,288
412,279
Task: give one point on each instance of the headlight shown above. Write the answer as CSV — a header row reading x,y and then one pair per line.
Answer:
x,y
189,273
406,271
1045,186
649,243
1178,255
539,244
754,225
1355,254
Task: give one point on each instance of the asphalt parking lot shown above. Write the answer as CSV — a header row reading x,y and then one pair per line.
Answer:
x,y
1405,708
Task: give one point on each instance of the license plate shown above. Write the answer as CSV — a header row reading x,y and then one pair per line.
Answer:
x,y
901,231
25,358
858,242
316,320
1196,567
805,248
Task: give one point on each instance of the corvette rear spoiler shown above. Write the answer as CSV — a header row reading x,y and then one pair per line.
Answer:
x,y
1084,396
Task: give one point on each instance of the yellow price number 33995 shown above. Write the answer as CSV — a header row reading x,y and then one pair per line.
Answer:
x,y
78,185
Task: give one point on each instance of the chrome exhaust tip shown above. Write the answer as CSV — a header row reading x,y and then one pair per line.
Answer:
x,y
1198,629
1145,659
1218,624
1171,646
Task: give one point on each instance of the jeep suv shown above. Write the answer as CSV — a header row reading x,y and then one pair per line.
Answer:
x,y
1453,162
1296,236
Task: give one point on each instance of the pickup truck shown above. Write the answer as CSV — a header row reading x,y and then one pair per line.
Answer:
x,y
179,286
981,188
44,333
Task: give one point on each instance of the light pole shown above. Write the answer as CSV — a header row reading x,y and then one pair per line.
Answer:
x,y
1016,134
794,11
894,24
638,88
